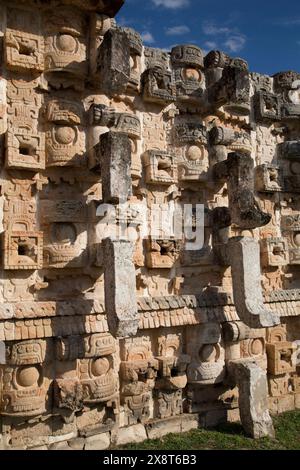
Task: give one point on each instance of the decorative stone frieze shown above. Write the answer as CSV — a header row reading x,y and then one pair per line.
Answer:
x,y
110,329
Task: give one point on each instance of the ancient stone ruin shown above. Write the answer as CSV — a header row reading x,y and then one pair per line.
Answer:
x,y
108,339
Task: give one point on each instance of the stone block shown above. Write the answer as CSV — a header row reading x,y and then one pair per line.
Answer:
x,y
77,443
253,399
135,433
60,446
189,422
114,62
115,163
159,428
286,403
61,438
120,285
212,418
297,401
281,358
97,442
233,416
39,448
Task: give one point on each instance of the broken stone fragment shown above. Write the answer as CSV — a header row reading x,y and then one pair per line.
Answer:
x,y
114,62
253,398
115,163
244,256
120,288
245,211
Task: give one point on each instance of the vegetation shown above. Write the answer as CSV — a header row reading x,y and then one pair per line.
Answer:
x,y
229,436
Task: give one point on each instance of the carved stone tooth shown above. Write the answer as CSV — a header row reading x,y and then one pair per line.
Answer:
x,y
120,285
246,277
115,164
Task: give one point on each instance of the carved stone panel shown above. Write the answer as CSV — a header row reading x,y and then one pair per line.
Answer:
x,y
23,250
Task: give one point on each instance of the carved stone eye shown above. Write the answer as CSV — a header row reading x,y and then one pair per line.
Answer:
x,y
294,96
67,43
28,376
170,351
192,74
133,62
208,353
295,168
64,233
194,153
297,239
65,135
100,366
257,347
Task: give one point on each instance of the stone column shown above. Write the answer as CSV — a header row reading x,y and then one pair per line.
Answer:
x,y
120,288
253,398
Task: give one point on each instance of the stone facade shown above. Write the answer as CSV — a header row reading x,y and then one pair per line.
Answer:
x,y
104,339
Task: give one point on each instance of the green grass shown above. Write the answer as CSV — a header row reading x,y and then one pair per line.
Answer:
x,y
229,436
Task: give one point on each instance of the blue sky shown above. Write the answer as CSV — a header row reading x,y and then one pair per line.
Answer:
x,y
266,33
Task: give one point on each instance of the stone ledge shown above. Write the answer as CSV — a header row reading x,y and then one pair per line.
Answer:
x,y
97,442
176,424
135,433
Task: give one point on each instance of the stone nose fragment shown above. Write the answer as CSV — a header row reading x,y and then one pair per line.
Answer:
x,y
245,211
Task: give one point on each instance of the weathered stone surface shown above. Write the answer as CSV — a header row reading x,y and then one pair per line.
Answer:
x,y
232,91
55,439
297,401
60,446
39,448
109,319
245,211
120,300
184,423
77,443
114,62
189,422
253,401
243,254
158,429
212,418
97,442
135,433
115,163
233,416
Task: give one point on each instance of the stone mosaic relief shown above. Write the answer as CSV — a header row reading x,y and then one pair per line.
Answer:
x,y
98,333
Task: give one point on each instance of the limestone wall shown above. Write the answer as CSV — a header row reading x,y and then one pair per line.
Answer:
x,y
99,332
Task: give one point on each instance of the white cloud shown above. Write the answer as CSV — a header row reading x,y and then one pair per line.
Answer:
x,y
211,29
235,43
288,21
177,30
211,45
232,39
173,4
148,37
123,22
